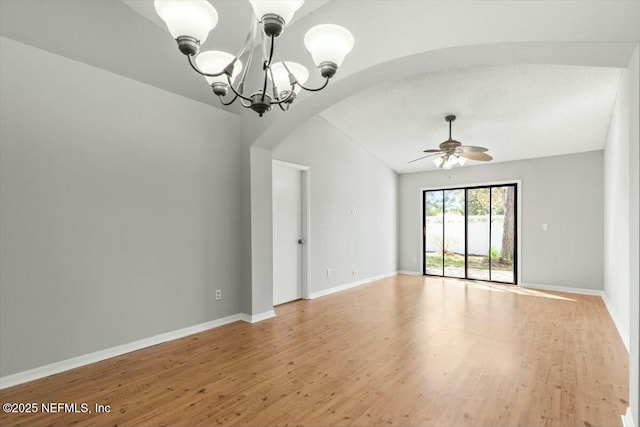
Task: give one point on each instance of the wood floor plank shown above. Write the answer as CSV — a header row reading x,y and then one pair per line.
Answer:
x,y
403,351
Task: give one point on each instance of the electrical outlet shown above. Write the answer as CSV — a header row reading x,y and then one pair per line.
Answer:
x,y
415,260
354,272
218,294
328,272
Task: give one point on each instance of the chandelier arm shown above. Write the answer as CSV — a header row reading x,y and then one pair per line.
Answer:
x,y
326,82
250,37
239,91
199,71
238,55
283,108
239,95
246,70
288,98
284,64
267,66
280,58
230,102
249,61
273,86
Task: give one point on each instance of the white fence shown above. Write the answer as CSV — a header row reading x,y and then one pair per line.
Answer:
x,y
478,229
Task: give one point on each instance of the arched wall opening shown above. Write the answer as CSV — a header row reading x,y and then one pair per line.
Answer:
x,y
261,141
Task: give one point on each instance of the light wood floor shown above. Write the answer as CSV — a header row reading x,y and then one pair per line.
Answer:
x,y
404,351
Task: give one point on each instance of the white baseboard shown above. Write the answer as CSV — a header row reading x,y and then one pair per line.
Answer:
x,y
346,286
627,419
569,289
410,273
86,359
624,334
255,318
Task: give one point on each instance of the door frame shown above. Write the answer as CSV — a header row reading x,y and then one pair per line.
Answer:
x,y
519,193
305,190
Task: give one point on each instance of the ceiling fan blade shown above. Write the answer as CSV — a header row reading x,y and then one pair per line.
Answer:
x,y
474,155
434,150
473,149
423,157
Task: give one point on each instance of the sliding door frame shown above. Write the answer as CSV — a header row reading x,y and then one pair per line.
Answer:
x,y
517,265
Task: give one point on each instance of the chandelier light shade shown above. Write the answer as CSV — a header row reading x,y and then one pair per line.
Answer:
x,y
328,43
212,61
190,21
281,75
194,18
282,8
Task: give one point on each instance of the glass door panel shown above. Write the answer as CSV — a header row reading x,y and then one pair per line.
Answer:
x,y
433,236
454,233
502,252
478,233
471,233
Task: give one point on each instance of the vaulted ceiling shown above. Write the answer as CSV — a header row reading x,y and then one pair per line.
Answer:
x,y
517,111
526,79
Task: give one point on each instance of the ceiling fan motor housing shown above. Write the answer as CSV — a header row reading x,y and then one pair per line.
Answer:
x,y
450,145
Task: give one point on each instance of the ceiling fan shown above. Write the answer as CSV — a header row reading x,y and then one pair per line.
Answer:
x,y
452,152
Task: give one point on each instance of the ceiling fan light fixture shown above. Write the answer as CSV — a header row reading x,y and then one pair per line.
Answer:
x,y
450,162
451,152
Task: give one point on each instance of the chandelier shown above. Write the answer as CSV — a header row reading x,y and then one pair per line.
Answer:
x,y
189,22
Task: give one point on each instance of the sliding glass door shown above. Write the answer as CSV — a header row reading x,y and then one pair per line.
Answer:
x,y
471,233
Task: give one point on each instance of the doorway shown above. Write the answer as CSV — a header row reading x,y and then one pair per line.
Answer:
x,y
290,231
471,233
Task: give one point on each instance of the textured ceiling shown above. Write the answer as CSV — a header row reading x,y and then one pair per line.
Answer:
x,y
517,111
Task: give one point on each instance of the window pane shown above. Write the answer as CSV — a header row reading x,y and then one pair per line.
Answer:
x,y
454,235
433,232
502,233
478,233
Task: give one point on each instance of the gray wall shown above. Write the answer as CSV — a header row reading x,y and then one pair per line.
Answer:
x,y
119,212
616,211
564,192
621,218
344,178
261,232
634,234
